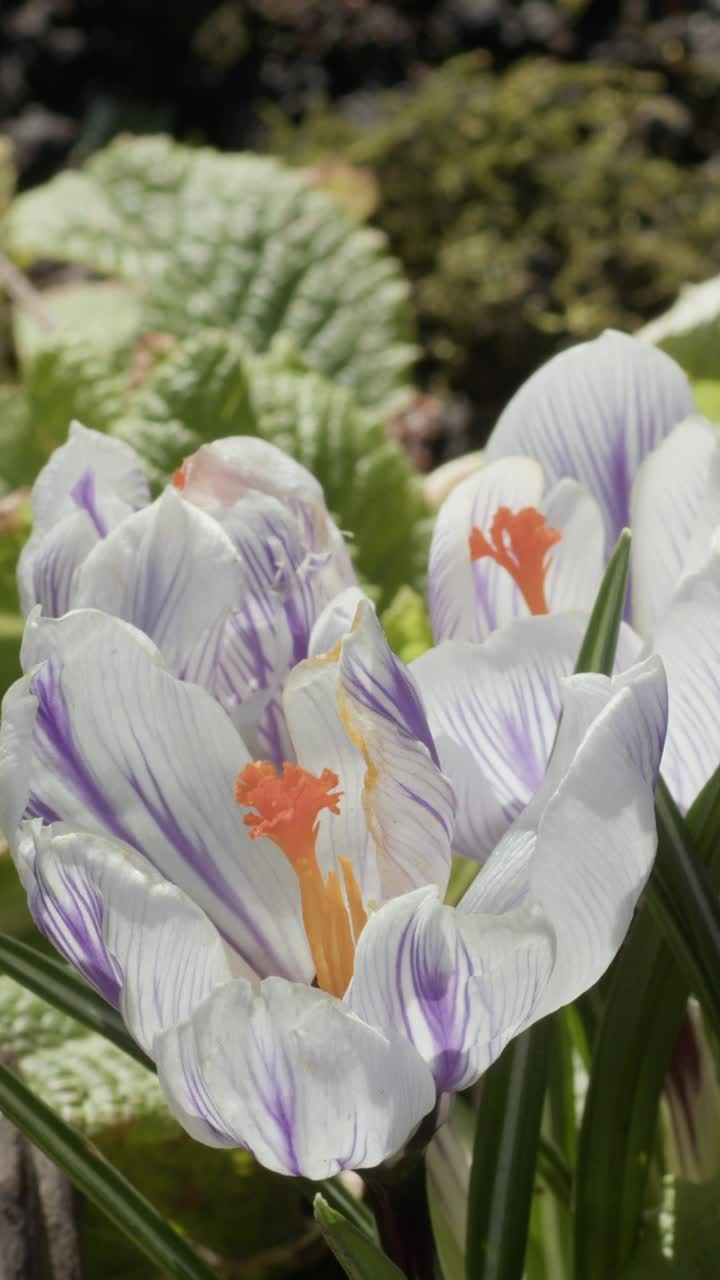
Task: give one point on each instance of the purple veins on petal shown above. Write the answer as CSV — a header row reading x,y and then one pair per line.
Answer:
x,y
84,496
76,932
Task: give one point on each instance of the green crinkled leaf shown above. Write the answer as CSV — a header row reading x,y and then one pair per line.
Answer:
x,y
211,386
16,462
98,1089
80,312
239,242
28,1024
74,380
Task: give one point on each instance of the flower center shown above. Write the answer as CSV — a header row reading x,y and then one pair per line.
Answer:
x,y
287,813
179,477
519,542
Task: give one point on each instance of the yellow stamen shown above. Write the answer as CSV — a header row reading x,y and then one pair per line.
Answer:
x,y
287,813
519,542
358,914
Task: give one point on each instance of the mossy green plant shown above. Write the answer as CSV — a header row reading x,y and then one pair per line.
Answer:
x,y
530,207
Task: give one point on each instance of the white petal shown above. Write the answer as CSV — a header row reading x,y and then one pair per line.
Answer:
x,y
293,1076
321,741
458,985
16,731
468,600
116,469
137,939
171,571
89,485
493,710
222,476
409,803
585,845
222,473
675,511
577,561
593,413
688,641
49,562
335,621
285,587
123,748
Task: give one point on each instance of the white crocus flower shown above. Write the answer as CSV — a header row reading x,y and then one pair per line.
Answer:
x,y
610,415
503,548
227,571
278,943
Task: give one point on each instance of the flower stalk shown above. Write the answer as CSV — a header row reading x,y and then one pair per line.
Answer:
x,y
399,1200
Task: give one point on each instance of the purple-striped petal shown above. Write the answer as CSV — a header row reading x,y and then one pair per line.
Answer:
x,y
124,749
171,571
584,846
688,641
493,709
89,485
285,587
409,803
289,1073
134,937
458,985
593,413
222,475
675,511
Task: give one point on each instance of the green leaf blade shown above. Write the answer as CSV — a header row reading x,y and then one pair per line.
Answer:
x,y
358,1255
646,1003
597,652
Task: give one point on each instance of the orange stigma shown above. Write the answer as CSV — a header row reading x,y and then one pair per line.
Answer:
x,y
519,542
288,807
178,477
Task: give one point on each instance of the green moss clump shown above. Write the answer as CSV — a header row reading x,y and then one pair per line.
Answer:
x,y
530,207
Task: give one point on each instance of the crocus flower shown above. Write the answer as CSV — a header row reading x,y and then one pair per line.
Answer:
x,y
593,413
226,571
277,941
503,548
602,437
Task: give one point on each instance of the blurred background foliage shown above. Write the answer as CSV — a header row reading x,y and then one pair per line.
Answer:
x,y
559,175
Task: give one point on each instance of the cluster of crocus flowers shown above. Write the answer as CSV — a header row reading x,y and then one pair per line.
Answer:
x,y
233,808
276,939
227,570
605,436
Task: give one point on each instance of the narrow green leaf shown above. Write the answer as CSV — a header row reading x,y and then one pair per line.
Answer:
x,y
341,1201
597,652
646,1003
684,900
61,987
511,1103
504,1157
97,1179
358,1255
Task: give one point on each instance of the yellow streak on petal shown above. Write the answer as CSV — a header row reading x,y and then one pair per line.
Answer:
x,y
358,914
